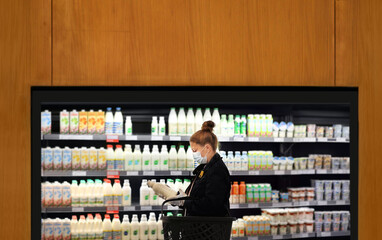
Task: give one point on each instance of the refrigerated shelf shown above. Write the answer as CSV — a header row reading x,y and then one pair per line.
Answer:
x,y
296,236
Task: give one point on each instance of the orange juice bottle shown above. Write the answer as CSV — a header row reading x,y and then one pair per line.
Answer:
x,y
91,122
235,193
83,126
100,122
242,192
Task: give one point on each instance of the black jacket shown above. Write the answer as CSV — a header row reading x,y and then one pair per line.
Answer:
x,y
211,190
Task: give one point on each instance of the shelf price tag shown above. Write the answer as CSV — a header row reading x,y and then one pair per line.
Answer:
x,y
169,207
112,138
79,173
253,172
157,138
277,236
78,209
278,139
131,138
146,208
111,210
326,234
341,202
112,174
174,138
253,139
279,172
148,173
132,173
238,138
129,208
175,173
223,139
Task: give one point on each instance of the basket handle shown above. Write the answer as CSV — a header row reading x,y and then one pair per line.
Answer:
x,y
175,199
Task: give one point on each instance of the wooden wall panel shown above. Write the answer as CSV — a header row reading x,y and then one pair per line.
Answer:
x,y
193,42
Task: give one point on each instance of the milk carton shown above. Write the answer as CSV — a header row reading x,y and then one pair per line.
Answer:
x,y
49,229
83,124
74,119
93,159
57,158
102,159
64,122
67,159
57,225
42,195
66,194
100,122
91,122
84,158
66,233
57,194
76,159
46,122
48,159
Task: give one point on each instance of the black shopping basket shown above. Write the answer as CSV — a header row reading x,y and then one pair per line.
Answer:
x,y
196,228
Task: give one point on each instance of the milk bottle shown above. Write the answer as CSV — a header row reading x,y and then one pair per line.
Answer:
x,y
66,194
164,158
74,228
186,183
190,159
49,229
137,158
155,158
231,125
83,122
93,159
57,226
126,228
82,228
57,194
129,158
224,126
90,227
237,124
75,194
128,126
237,161
244,161
172,122
46,122
67,159
48,159
83,193
117,228
99,193
182,130
243,126
107,193
66,233
144,194
101,158
173,159
216,120
74,119
190,122
64,122
76,159
84,158
109,119
154,126
160,228
57,158
198,119
117,193
207,115
91,122
107,228
143,228
98,227
126,192
162,126
110,157
134,228
100,122
119,163
118,122
91,193
231,161
146,158
152,227
153,198
170,183
182,158
178,184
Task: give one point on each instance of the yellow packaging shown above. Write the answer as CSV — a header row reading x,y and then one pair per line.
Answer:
x,y
83,126
100,122
91,122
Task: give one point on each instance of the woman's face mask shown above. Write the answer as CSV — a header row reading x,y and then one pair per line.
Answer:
x,y
198,157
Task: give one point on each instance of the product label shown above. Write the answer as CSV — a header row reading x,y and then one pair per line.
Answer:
x,y
109,128
126,197
84,201
129,131
48,159
165,162
147,197
117,128
153,232
156,162
146,162
117,235
135,232
146,232
119,164
110,164
107,235
108,200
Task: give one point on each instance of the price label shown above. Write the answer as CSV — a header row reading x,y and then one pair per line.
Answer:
x,y
79,173
326,234
223,139
341,202
146,208
253,172
176,173
301,235
279,172
234,206
131,138
303,203
129,208
252,238
321,202
169,207
112,210
132,173
253,205
321,171
78,209
238,139
174,138
278,139
156,138
253,139
112,174
112,138
277,236
322,139
294,172
148,173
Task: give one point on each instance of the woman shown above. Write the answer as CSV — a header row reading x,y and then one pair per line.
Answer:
x,y
210,188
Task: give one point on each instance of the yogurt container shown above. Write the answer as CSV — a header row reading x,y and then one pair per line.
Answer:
x,y
318,185
300,226
345,216
327,226
284,197
309,214
309,226
329,195
345,163
275,196
336,195
311,130
282,215
319,195
328,185
292,214
337,130
344,226
327,162
318,162
311,162
336,216
289,163
336,162
274,228
346,195
336,226
337,185
329,132
327,216
276,163
318,227
283,228
283,163
320,131
292,226
319,217
345,185
345,131
303,163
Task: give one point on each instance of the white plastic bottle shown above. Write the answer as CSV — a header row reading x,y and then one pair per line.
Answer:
x,y
182,158
154,126
186,183
109,119
74,227
99,193
143,228
117,193
216,120
231,126
237,161
160,228
182,121
223,125
83,193
126,228
117,228
91,193
153,227
172,122
146,158
119,163
74,192
129,158
90,227
190,122
153,198
190,159
110,157
134,228
207,115
198,119
244,161
173,159
162,126
164,158
144,194
107,193
178,184
98,227
118,122
126,192
82,230
128,126
107,228
155,158
137,158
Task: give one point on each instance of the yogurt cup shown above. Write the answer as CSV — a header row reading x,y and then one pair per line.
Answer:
x,y
290,134
327,162
296,164
327,216
309,214
300,214
328,185
337,195
337,185
337,130
336,216
283,163
346,185
345,163
318,185
345,131
309,198
276,133
345,216
292,215
289,163
329,132
327,226
284,197
300,226
319,195
283,228
319,217
318,227
328,195
346,195
336,226
283,215
344,226
336,162
292,227
311,162
309,226
282,133
274,228
275,196
303,163
320,131
318,162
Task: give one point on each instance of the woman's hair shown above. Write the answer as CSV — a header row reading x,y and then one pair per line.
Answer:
x,y
206,135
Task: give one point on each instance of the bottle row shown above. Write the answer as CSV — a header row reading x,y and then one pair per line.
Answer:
x,y
94,228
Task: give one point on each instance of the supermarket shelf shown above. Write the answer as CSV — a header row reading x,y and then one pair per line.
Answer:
x,y
187,138
296,236
333,234
289,204
289,172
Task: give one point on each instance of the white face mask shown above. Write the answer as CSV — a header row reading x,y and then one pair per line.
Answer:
x,y
198,157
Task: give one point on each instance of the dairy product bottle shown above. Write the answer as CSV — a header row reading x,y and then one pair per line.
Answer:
x,y
91,122
152,227
126,193
57,194
90,227
117,228
66,194
237,161
207,115
160,228
198,119
224,125
129,158
135,228
64,122
46,122
48,159
231,125
153,198
98,227
143,228
109,121
90,193
171,184
178,184
186,183
107,193
190,159
74,227
76,159
182,158
144,194
172,122
84,158
244,161
83,193
118,122
237,124
117,193
74,193
126,228
57,228
190,122
57,158
155,158
164,157
93,158
216,120
231,161
119,163
110,157
100,122
102,158
137,158
182,127
173,159
243,125
67,159
74,119
161,200
146,158
83,122
154,126
107,228
128,126
81,226
66,233
162,126
99,193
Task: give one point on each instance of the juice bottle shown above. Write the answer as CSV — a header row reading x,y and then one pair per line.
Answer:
x,y
91,122
100,122
48,159
46,122
258,160
93,159
243,125
235,193
83,124
101,158
264,125
74,119
256,193
262,192
251,125
76,159
84,158
242,194
257,125
249,193
64,122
